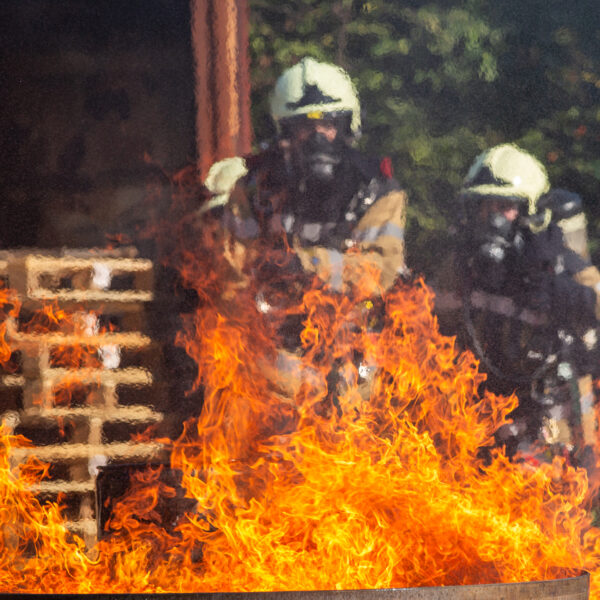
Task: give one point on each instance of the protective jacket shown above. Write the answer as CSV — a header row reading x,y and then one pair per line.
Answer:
x,y
357,229
531,322
567,212
278,239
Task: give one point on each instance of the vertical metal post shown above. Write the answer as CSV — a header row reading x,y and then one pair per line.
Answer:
x,y
220,46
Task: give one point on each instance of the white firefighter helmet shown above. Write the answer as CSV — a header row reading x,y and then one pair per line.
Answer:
x,y
506,171
313,89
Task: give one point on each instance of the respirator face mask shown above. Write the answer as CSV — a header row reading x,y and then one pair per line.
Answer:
x,y
494,227
318,158
316,148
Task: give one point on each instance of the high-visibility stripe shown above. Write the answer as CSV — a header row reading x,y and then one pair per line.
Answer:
x,y
370,234
501,305
575,223
336,265
311,231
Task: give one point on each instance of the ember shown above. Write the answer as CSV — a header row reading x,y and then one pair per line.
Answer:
x,y
378,480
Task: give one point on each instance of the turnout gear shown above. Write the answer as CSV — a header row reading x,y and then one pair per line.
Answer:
x,y
355,238
567,212
532,326
513,294
310,191
280,239
308,205
358,227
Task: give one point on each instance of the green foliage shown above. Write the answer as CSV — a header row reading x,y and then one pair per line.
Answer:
x,y
441,81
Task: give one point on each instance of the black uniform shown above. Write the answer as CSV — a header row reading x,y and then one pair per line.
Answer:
x,y
530,324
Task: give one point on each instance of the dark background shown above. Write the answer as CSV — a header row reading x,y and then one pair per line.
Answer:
x,y
97,98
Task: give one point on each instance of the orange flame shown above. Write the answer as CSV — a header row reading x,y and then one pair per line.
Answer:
x,y
34,545
9,310
366,460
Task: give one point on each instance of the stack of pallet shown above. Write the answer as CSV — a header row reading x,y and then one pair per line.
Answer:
x,y
84,385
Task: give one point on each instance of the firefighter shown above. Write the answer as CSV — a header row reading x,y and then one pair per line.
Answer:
x,y
309,206
521,300
311,190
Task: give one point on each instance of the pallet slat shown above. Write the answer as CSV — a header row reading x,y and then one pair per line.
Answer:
x,y
65,453
40,278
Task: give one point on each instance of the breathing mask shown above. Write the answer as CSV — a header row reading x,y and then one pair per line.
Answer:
x,y
495,227
316,156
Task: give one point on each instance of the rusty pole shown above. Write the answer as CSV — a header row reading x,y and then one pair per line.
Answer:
x,y
222,90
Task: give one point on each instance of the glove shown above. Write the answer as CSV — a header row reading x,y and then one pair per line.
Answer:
x,y
562,203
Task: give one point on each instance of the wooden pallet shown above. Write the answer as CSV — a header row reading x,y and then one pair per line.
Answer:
x,y
69,428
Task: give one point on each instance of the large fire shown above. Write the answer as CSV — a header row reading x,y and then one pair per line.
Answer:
x,y
366,460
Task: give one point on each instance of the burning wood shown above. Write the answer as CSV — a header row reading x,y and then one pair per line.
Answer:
x,y
67,377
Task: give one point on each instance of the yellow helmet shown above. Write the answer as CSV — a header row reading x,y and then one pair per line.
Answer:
x,y
315,89
506,171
